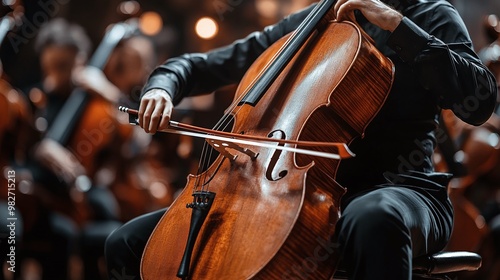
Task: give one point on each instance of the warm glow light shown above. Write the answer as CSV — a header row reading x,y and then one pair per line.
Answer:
x,y
206,28
150,23
267,8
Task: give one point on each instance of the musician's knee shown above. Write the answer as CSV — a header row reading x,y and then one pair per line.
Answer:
x,y
372,219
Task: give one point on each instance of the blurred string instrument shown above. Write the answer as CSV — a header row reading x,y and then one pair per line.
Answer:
x,y
86,125
269,202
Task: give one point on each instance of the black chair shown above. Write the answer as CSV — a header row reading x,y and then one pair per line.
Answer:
x,y
437,266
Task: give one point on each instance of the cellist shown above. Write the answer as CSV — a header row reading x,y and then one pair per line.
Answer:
x,y
396,207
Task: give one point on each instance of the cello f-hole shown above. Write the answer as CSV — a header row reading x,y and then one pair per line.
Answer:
x,y
274,159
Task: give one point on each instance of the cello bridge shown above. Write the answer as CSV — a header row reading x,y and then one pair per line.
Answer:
x,y
223,146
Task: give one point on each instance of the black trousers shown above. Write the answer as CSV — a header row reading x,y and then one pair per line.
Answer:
x,y
379,232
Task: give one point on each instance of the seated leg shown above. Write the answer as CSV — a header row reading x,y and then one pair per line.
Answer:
x,y
124,246
381,231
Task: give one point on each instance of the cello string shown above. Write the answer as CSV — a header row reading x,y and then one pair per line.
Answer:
x,y
266,69
277,56
200,168
205,185
225,121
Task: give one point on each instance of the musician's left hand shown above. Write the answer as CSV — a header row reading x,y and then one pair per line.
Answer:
x,y
375,11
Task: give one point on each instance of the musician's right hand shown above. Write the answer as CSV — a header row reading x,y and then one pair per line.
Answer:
x,y
155,110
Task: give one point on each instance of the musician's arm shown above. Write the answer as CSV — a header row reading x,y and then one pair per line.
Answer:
x,y
199,73
447,66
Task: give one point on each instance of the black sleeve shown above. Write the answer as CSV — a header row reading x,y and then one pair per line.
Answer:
x,y
198,73
443,59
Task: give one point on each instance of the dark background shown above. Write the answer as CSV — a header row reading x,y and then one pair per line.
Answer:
x,y
236,18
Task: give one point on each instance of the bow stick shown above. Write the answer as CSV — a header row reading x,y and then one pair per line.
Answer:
x,y
205,133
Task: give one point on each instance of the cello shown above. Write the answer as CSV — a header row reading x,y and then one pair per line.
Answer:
x,y
268,213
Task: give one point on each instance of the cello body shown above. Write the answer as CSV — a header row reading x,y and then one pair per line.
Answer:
x,y
274,213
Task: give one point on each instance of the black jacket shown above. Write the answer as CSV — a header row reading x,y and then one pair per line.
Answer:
x,y
435,68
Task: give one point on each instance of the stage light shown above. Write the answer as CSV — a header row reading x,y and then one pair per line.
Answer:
x,y
267,8
206,28
150,23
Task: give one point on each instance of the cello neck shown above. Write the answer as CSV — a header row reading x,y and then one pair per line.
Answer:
x,y
303,32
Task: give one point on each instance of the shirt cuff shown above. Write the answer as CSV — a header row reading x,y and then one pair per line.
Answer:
x,y
164,81
408,40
